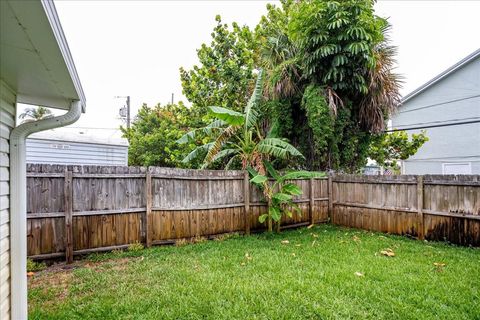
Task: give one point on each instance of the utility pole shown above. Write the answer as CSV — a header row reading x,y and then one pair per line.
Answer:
x,y
172,98
125,113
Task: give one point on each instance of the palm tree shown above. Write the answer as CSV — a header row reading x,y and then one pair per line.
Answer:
x,y
383,95
238,136
35,114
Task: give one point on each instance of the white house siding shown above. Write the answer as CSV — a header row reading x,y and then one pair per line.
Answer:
x,y
451,145
7,122
75,153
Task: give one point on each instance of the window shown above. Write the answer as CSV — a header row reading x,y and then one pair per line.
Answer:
x,y
457,168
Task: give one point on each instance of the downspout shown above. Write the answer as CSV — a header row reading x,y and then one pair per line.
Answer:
x,y
18,203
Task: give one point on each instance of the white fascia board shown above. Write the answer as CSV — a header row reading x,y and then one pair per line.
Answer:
x,y
54,20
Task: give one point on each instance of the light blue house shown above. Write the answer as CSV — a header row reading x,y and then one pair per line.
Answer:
x,y
448,109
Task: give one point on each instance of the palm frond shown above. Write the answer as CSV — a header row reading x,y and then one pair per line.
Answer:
x,y
278,148
384,85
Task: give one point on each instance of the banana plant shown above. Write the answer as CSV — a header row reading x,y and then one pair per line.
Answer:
x,y
237,137
279,194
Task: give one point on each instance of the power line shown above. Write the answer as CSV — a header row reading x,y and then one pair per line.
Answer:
x,y
440,104
435,126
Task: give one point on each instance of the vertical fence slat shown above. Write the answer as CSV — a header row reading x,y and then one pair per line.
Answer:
x,y
68,192
330,198
421,221
246,197
147,221
312,201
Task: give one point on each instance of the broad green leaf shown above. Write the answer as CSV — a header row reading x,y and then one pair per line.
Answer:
x,y
292,188
275,213
231,117
259,179
282,196
224,153
271,170
251,113
197,152
302,175
278,148
252,172
262,218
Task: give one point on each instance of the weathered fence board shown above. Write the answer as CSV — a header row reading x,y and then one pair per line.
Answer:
x,y
433,207
112,207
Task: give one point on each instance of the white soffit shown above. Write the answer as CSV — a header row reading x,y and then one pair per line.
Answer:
x,y
35,60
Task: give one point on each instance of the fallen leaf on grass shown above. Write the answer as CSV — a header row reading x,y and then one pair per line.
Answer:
x,y
242,264
359,274
30,274
285,242
247,256
356,239
439,264
297,245
388,252
293,254
313,243
310,226
314,235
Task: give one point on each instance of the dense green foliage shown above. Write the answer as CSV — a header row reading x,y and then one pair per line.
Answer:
x,y
154,133
224,77
388,149
329,89
330,86
238,138
324,272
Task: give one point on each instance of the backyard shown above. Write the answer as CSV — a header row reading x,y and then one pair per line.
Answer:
x,y
319,272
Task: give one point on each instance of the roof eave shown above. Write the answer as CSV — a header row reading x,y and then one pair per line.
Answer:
x,y
54,20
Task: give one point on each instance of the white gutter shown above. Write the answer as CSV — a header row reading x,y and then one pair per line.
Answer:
x,y
18,204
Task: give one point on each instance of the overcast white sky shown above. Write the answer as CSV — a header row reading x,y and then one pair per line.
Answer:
x,y
136,47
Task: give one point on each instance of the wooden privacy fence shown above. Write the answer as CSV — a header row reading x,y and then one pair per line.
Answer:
x,y
75,210
432,207
80,209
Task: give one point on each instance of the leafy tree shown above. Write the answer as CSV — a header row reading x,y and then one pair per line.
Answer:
x,y
154,133
225,76
279,195
388,149
238,137
35,114
330,66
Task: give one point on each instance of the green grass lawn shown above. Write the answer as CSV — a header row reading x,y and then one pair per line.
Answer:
x,y
321,273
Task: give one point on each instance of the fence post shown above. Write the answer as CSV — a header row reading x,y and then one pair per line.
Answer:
x,y
330,198
312,201
421,226
68,198
148,213
246,196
